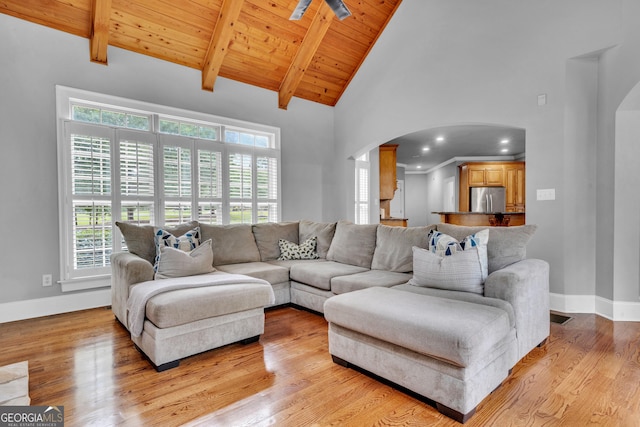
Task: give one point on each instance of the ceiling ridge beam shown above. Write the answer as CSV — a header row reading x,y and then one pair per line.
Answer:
x,y
100,21
219,43
312,39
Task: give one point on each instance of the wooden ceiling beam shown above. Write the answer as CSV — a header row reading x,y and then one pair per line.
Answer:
x,y
219,43
316,32
100,21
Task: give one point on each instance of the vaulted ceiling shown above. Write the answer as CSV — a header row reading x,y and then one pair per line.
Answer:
x,y
251,41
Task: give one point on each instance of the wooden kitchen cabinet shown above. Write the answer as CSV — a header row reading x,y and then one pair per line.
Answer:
x,y
486,175
515,187
510,175
388,177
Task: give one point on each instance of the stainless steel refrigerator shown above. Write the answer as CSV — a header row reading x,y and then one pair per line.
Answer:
x,y
488,199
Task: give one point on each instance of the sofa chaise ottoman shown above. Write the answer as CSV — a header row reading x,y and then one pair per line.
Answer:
x,y
173,318
413,340
473,308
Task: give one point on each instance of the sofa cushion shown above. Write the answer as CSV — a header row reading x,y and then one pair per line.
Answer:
x,y
261,270
393,247
461,271
324,231
139,238
268,234
506,246
174,262
292,251
170,308
353,244
422,323
231,244
319,274
367,279
289,263
461,296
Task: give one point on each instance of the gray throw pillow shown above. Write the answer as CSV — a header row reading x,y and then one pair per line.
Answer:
x,y
140,238
353,244
174,262
323,231
460,271
232,244
394,247
267,236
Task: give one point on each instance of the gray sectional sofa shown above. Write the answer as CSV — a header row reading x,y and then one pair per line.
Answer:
x,y
449,346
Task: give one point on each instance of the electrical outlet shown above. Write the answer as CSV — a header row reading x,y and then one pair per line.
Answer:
x,y
47,280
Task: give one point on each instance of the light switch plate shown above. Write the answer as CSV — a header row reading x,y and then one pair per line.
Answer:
x,y
542,99
546,194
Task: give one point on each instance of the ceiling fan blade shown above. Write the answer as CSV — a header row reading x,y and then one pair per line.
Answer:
x,y
300,9
339,8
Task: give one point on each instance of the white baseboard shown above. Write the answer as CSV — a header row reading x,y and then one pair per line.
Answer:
x,y
20,310
626,311
28,309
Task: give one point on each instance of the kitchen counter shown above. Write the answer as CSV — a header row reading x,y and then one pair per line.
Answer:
x,y
482,218
394,222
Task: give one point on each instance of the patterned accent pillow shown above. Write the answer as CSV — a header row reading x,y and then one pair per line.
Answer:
x,y
306,250
444,245
186,243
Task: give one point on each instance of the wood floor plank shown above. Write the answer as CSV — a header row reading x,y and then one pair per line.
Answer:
x,y
587,374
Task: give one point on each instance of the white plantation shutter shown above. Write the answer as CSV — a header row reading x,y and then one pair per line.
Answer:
x,y
240,188
267,188
362,190
177,173
132,165
210,186
88,211
91,164
136,157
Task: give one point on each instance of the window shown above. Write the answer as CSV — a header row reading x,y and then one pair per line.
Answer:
x,y
362,190
123,160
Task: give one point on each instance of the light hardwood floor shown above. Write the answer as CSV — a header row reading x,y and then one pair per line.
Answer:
x,y
588,373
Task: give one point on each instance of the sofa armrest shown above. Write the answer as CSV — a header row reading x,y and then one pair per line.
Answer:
x,y
525,285
126,270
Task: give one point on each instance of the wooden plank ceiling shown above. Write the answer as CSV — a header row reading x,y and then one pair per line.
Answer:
x,y
251,41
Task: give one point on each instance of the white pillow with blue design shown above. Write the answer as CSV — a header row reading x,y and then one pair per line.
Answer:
x,y
444,245
186,243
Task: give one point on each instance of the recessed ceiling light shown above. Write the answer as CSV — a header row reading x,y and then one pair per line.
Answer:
x,y
504,141
440,139
419,167
505,150
426,148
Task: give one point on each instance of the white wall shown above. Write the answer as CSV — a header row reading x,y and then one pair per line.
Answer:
x,y
34,59
465,61
415,199
579,150
424,194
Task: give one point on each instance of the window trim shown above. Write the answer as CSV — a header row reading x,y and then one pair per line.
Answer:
x,y
66,96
